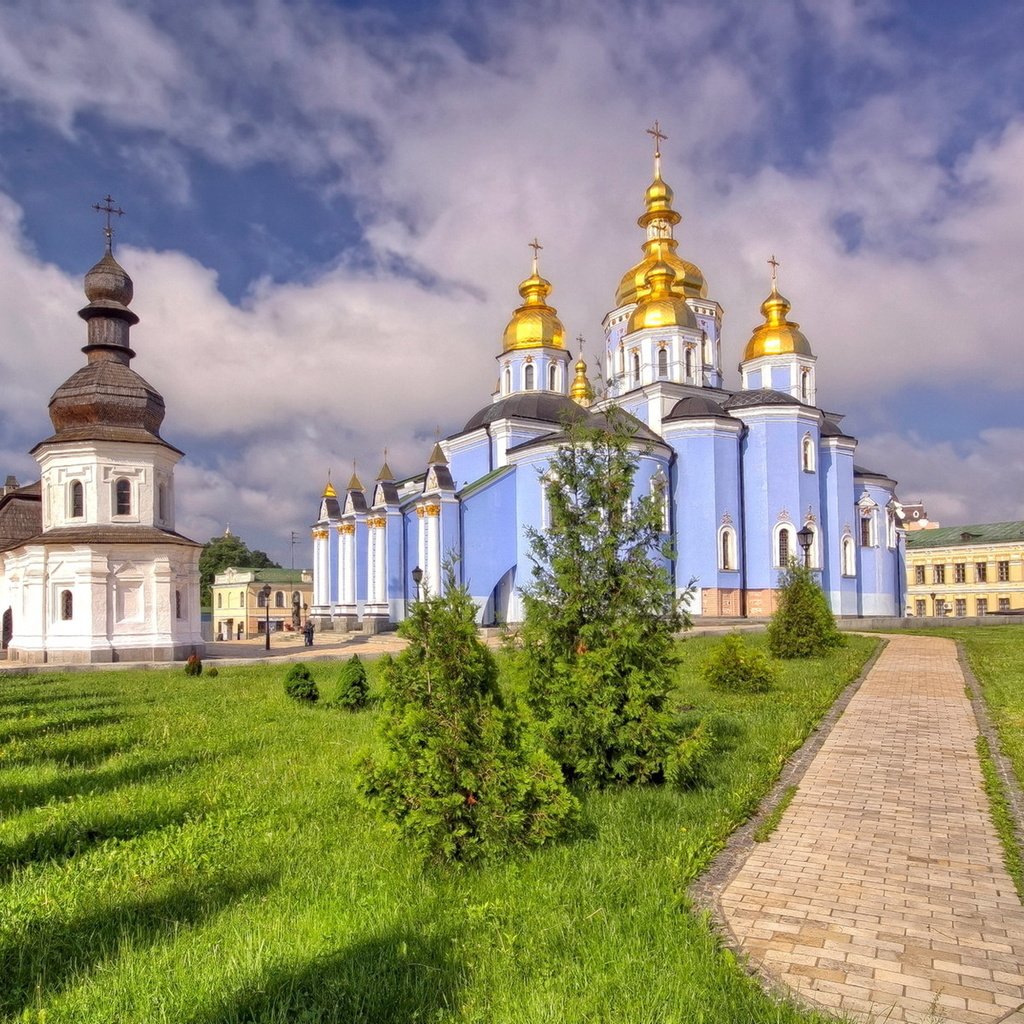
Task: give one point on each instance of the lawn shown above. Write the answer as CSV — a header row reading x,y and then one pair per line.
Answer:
x,y
192,851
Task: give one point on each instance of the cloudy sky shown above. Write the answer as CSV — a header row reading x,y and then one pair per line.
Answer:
x,y
329,204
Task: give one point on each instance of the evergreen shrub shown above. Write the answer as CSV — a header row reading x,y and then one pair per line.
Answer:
x,y
353,688
735,666
193,665
300,685
688,762
458,777
803,625
212,672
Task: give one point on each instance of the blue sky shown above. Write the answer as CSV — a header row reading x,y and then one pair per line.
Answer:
x,y
328,207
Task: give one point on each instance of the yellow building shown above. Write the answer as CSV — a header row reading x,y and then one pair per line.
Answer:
x,y
240,610
966,570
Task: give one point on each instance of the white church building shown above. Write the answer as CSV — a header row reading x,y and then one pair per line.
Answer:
x,y
91,568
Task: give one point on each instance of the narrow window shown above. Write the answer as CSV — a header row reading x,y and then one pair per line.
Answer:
x,y
67,605
919,574
177,604
959,572
688,362
849,568
552,377
662,362
123,497
805,386
727,554
981,606
867,531
981,572
77,500
921,608
528,377
960,607
636,367
261,599
161,502
279,599
938,574
508,381
659,492
220,603
783,549
1004,571
807,454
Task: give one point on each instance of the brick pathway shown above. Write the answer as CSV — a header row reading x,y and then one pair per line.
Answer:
x,y
883,895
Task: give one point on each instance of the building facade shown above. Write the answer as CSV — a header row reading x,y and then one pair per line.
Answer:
x,y
966,570
91,567
240,609
739,473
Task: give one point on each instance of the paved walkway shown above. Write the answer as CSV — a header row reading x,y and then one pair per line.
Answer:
x,y
883,895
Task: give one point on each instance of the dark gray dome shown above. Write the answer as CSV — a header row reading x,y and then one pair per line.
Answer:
x,y
544,406
695,407
759,397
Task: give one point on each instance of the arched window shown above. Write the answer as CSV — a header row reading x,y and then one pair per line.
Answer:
x,y
707,349
805,385
67,605
622,360
177,604
849,562
662,362
807,454
220,603
784,545
508,380
279,599
727,549
241,599
77,500
528,377
123,497
688,363
813,549
659,492
296,597
636,367
261,599
890,529
552,377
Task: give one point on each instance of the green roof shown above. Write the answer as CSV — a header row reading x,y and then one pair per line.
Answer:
x,y
965,536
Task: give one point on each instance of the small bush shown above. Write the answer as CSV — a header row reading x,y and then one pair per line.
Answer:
x,y
212,672
353,688
194,665
803,626
736,667
299,684
687,763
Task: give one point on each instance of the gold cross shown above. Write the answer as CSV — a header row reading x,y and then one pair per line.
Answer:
x,y
774,264
580,339
536,247
108,208
658,136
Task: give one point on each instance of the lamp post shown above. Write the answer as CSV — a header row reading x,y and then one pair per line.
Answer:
x,y
265,592
804,537
417,578
933,603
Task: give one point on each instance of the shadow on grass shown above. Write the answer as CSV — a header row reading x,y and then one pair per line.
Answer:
x,y
40,958
15,711
58,727
69,839
393,979
74,754
89,782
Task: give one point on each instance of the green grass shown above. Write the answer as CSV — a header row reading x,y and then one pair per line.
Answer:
x,y
764,831
191,851
1002,815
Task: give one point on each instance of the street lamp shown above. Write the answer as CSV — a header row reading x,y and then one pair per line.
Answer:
x,y
804,537
266,604
933,603
417,578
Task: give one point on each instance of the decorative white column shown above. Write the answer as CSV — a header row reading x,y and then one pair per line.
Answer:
x,y
432,549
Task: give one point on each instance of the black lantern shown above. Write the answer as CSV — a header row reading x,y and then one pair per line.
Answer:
x,y
804,537
417,578
266,604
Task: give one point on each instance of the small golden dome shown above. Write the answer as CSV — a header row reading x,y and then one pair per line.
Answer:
x,y
659,196
534,323
777,335
581,392
329,491
661,306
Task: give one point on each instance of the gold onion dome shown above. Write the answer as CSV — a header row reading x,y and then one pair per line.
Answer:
x,y
534,323
777,335
661,305
581,392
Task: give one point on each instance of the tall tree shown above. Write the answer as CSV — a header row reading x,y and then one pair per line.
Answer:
x,y
596,655
220,553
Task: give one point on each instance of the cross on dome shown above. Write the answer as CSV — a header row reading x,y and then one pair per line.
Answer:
x,y
659,136
774,264
536,247
108,208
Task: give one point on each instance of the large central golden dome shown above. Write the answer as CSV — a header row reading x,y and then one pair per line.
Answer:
x,y
534,323
657,220
660,305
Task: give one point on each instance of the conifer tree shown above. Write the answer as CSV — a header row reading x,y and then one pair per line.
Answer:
x,y
596,656
803,625
458,777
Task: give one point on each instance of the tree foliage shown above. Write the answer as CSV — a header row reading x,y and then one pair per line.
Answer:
x,y
300,685
353,688
220,553
596,653
803,625
737,667
458,777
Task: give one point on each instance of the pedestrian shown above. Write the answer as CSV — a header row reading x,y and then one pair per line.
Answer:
x,y
309,633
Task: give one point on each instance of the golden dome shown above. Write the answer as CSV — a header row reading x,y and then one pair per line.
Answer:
x,y
329,491
777,335
660,305
534,323
581,392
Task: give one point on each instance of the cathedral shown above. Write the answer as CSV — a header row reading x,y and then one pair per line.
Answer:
x,y
747,479
91,568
